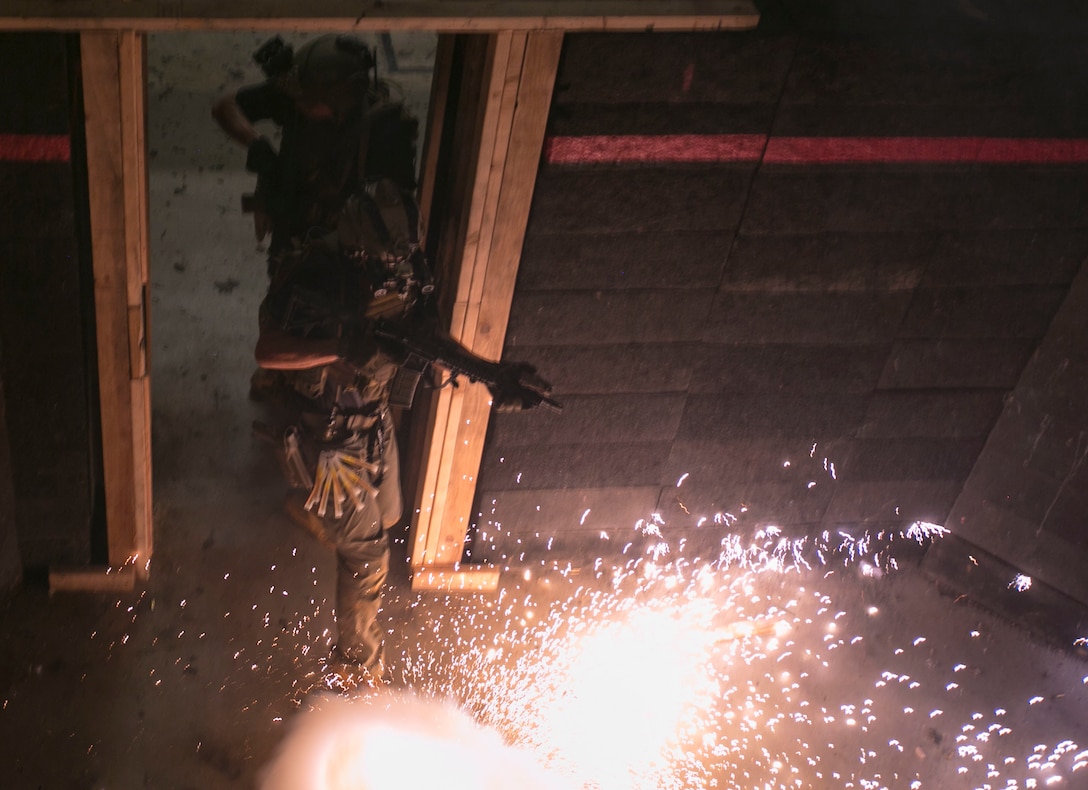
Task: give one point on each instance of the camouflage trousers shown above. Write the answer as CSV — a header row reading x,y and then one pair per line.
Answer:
x,y
362,560
362,565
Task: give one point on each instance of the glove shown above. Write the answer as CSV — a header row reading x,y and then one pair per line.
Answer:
x,y
518,387
261,158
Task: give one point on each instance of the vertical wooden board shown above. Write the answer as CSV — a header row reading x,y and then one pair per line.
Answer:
x,y
540,64
436,483
490,136
519,74
454,184
463,466
133,120
509,188
430,498
113,77
447,205
133,91
441,493
436,119
502,105
458,240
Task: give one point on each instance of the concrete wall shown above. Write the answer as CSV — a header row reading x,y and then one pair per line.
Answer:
x,y
811,344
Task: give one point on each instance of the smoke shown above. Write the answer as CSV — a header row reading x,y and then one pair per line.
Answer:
x,y
390,741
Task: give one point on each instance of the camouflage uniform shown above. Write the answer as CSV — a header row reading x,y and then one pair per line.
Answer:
x,y
339,447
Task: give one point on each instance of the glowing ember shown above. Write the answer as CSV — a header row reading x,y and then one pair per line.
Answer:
x,y
779,663
392,742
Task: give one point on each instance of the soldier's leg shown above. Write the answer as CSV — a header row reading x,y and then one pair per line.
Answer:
x,y
362,559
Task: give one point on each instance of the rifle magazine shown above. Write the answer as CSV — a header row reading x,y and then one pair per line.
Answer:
x,y
406,381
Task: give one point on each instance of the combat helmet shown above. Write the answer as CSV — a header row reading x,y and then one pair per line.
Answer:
x,y
334,69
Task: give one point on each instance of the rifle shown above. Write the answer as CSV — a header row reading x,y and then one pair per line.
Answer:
x,y
513,385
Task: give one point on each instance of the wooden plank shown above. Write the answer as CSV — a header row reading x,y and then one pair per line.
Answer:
x,y
420,422
456,578
520,96
473,63
541,62
495,113
435,541
482,16
470,63
459,237
96,579
502,103
132,57
436,120
112,85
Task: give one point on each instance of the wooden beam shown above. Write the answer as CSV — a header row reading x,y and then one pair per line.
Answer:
x,y
454,578
113,85
480,16
92,579
512,121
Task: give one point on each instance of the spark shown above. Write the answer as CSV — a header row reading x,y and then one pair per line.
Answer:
x,y
674,672
1021,583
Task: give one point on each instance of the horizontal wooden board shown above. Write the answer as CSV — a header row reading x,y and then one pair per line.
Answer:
x,y
96,579
446,15
456,578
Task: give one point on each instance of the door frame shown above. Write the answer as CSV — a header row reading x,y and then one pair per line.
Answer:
x,y
515,57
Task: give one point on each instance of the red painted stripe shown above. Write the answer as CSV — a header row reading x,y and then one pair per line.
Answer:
x,y
598,149
830,150
34,148
993,150
654,148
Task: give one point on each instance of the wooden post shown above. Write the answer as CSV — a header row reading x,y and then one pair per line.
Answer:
x,y
518,94
113,70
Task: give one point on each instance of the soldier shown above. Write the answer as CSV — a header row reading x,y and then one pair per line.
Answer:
x,y
347,319
347,327
339,131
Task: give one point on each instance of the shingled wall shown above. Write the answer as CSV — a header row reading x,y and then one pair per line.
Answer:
x,y
815,345
46,303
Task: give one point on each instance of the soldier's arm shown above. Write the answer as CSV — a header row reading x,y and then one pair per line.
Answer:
x,y
233,121
279,350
